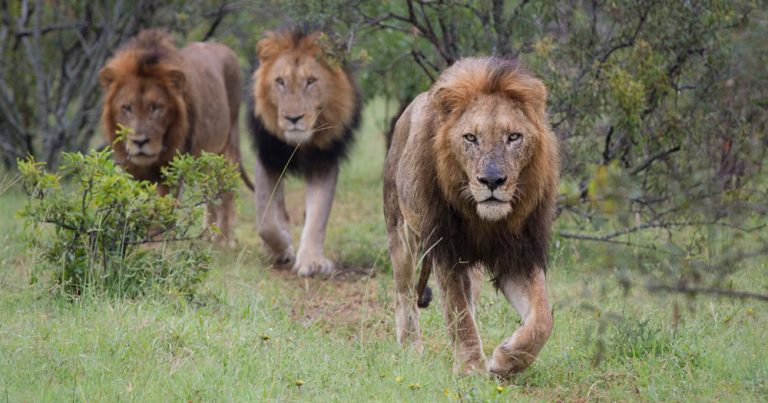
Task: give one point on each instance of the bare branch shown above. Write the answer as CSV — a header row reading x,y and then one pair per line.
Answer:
x,y
693,291
647,163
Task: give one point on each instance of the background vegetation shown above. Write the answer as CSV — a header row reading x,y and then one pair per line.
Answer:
x,y
115,235
661,110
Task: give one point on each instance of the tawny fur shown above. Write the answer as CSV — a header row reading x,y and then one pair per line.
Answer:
x,y
481,115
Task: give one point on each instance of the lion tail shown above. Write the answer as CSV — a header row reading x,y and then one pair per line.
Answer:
x,y
245,177
422,290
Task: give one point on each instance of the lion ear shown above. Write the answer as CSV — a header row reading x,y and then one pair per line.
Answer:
x,y
530,90
106,77
444,100
267,47
177,78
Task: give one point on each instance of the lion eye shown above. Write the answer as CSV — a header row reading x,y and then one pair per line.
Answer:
x,y
471,138
126,109
512,137
155,107
280,81
310,81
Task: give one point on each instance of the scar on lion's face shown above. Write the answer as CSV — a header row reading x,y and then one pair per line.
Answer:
x,y
145,107
493,141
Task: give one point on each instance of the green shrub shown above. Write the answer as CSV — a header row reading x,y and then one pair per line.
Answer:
x,y
102,231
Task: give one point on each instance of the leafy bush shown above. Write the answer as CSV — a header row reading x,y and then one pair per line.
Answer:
x,y
110,233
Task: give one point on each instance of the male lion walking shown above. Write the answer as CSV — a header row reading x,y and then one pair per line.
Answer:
x,y
470,183
303,115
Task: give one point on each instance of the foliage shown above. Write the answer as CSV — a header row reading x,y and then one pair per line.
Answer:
x,y
113,234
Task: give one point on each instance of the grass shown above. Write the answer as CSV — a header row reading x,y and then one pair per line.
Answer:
x,y
262,334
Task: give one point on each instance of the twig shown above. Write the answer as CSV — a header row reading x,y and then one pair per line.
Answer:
x,y
220,14
684,289
647,163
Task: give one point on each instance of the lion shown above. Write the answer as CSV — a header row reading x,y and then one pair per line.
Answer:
x,y
470,183
304,110
174,101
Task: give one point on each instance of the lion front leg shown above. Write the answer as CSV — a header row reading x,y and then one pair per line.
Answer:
x,y
459,292
403,251
271,217
319,200
529,297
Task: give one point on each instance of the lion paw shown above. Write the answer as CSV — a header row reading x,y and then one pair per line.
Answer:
x,y
473,367
225,243
309,266
497,371
503,364
282,259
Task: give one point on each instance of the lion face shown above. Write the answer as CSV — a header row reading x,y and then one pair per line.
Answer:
x,y
298,89
492,141
144,106
301,95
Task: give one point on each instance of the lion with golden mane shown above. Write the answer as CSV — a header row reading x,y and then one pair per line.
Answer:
x,y
305,110
174,101
470,183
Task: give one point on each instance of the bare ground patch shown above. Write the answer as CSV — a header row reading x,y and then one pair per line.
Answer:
x,y
349,299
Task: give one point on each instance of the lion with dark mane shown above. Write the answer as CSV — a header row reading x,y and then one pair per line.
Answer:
x,y
173,101
470,183
304,112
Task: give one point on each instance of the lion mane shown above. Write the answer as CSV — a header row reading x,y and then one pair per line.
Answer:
x,y
508,247
150,55
337,119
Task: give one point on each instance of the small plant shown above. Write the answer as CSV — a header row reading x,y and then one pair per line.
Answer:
x,y
103,231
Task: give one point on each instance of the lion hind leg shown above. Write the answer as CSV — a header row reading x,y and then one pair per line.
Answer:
x,y
403,248
458,290
321,188
223,216
272,222
529,297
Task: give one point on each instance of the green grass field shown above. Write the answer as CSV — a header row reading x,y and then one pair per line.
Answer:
x,y
260,334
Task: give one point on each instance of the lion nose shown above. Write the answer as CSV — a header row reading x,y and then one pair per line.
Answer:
x,y
140,142
492,182
294,119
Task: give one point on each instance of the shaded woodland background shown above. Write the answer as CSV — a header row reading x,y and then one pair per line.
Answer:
x,y
660,106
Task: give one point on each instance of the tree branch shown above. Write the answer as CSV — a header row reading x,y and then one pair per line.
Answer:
x,y
692,291
647,163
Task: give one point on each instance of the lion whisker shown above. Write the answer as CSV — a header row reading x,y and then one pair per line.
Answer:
x,y
466,193
321,128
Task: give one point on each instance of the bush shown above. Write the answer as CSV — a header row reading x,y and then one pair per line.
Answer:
x,y
102,231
